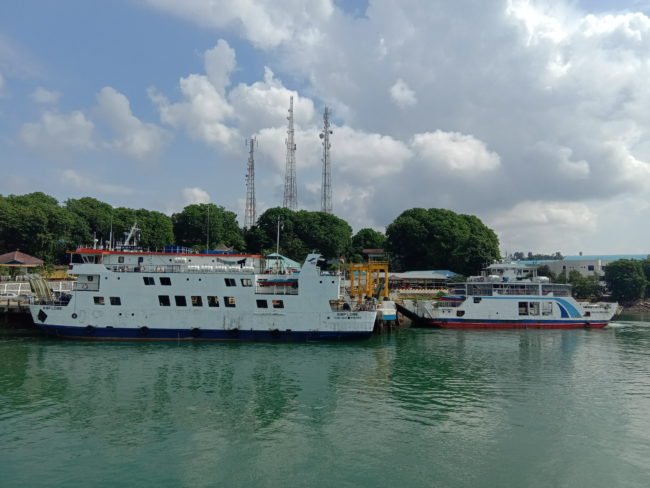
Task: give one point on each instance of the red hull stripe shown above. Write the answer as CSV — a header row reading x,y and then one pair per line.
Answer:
x,y
516,325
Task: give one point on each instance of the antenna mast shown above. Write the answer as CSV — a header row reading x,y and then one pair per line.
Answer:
x,y
290,191
250,217
326,197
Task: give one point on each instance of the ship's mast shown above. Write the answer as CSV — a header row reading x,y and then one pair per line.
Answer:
x,y
250,217
290,190
326,197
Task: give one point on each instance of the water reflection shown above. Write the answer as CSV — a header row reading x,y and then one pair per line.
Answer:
x,y
417,407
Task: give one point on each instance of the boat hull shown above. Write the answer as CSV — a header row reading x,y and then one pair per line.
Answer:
x,y
214,335
512,324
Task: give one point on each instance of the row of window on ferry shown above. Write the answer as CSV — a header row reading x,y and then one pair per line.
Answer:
x,y
166,281
195,300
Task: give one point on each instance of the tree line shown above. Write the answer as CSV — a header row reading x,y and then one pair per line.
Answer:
x,y
418,239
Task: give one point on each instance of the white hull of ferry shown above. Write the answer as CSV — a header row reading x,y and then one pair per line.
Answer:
x,y
146,298
494,312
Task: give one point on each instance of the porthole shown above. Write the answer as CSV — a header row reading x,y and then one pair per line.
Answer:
x,y
74,315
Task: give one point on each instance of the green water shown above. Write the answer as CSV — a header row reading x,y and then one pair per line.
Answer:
x,y
417,408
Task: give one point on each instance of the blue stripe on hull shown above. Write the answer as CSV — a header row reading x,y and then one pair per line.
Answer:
x,y
124,334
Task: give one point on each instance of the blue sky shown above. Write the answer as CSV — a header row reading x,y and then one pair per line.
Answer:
x,y
530,114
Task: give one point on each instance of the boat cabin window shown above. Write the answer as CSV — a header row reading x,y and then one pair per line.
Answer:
x,y
98,300
213,301
229,301
460,313
180,300
523,308
262,304
477,299
197,301
534,308
165,281
120,259
230,281
148,280
163,300
547,308
246,282
90,278
116,301
278,303
76,259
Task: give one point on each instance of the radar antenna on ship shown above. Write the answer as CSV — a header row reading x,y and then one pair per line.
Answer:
x,y
133,234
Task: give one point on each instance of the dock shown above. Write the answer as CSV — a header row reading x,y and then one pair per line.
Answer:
x,y
14,313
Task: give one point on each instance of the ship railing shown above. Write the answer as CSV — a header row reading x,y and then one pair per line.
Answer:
x,y
177,268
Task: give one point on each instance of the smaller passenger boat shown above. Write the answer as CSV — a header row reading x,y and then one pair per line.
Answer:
x,y
511,295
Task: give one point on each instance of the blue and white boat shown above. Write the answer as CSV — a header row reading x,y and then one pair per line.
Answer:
x,y
510,295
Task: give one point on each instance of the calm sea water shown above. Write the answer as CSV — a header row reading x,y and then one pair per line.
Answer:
x,y
416,408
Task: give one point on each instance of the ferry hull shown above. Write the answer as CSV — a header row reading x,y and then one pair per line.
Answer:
x,y
514,324
198,335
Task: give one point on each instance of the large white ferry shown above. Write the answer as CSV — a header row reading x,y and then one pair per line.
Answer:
x,y
510,296
137,295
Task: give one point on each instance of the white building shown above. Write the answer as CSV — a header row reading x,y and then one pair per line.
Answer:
x,y
586,265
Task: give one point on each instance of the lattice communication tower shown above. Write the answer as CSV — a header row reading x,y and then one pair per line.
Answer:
x,y
326,197
250,216
290,189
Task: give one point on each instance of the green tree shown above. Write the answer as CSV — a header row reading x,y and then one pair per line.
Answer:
x,y
96,215
625,280
300,233
367,239
192,223
645,264
545,270
584,286
439,238
36,224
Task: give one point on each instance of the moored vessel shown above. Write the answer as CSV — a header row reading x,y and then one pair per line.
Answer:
x,y
510,295
130,294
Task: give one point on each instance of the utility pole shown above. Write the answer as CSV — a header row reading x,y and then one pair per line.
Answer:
x,y
250,216
326,197
290,190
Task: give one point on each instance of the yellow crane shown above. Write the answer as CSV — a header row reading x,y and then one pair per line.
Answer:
x,y
366,280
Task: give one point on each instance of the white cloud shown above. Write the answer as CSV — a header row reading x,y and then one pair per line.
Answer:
x,y
402,95
202,113
266,23
135,138
45,96
72,178
265,104
219,63
460,153
539,223
195,195
517,111
59,132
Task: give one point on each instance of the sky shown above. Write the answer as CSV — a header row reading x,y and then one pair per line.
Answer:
x,y
533,115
